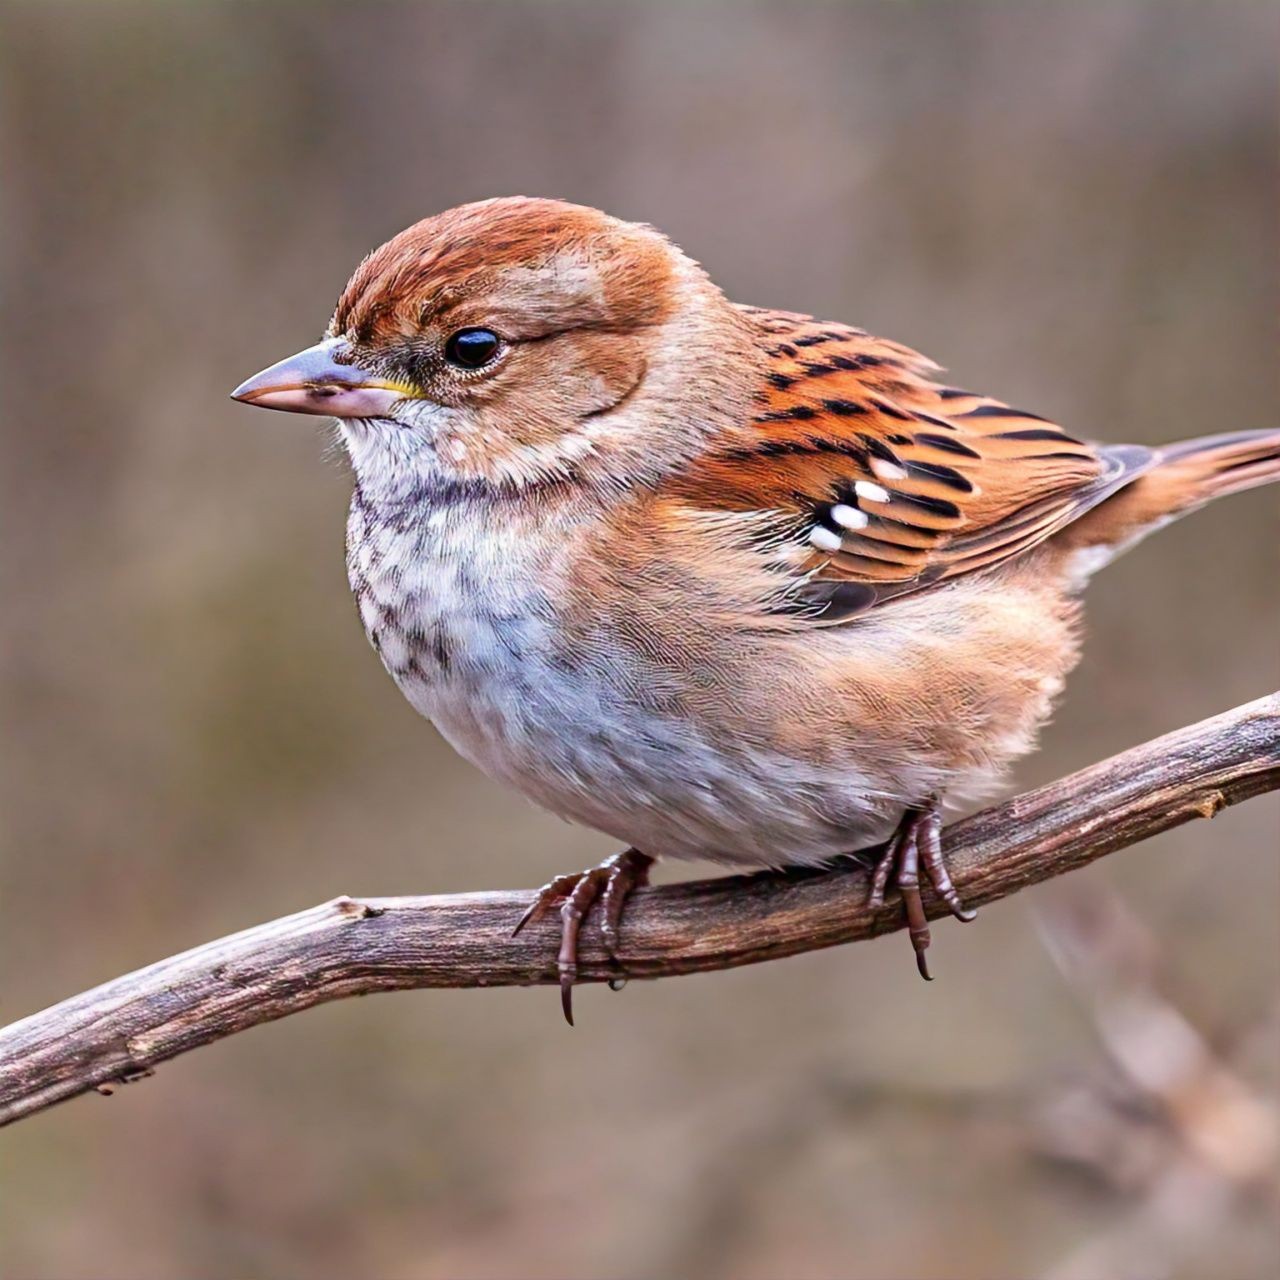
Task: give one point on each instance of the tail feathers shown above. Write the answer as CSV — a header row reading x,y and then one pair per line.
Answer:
x,y
1214,466
1178,478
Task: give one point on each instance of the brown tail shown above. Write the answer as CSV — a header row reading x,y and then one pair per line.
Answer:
x,y
1214,466
1178,479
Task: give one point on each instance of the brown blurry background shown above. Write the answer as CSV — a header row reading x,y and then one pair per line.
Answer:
x,y
1071,206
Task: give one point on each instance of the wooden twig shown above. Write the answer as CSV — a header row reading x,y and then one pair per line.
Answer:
x,y
120,1031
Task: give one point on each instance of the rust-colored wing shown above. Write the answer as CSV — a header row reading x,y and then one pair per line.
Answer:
x,y
861,478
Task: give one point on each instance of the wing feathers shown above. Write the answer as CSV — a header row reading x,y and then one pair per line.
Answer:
x,y
881,481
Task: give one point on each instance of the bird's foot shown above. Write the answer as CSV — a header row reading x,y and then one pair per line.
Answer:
x,y
610,884
916,843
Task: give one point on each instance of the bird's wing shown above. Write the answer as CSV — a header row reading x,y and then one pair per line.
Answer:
x,y
860,478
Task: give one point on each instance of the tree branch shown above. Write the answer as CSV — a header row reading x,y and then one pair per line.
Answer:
x,y
120,1031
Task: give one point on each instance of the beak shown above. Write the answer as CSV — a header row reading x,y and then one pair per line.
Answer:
x,y
323,380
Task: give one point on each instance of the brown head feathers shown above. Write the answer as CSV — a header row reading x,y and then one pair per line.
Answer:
x,y
533,265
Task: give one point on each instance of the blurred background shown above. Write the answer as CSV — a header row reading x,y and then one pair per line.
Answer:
x,y
1070,206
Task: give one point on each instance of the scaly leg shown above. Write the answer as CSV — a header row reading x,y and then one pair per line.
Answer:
x,y
611,884
916,843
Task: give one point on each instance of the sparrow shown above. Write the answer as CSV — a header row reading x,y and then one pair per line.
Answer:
x,y
719,581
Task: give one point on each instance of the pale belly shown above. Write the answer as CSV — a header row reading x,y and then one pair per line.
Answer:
x,y
472,647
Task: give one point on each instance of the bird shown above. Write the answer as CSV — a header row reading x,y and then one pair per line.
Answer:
x,y
718,581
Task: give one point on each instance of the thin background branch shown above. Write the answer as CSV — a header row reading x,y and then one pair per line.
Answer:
x,y
1212,1140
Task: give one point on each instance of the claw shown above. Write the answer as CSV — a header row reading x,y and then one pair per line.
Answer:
x,y
560,887
528,915
611,884
572,914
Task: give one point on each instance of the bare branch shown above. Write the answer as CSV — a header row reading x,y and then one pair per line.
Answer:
x,y
120,1031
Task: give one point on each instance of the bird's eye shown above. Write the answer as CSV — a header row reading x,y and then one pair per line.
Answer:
x,y
472,348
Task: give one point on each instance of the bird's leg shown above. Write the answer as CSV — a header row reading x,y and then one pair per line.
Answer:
x,y
611,884
908,881
929,835
916,843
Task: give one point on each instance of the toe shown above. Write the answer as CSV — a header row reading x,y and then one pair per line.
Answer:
x,y
625,873
546,897
572,914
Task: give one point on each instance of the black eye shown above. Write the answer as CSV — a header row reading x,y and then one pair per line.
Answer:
x,y
471,348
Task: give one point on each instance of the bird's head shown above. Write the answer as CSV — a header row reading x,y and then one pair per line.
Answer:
x,y
517,341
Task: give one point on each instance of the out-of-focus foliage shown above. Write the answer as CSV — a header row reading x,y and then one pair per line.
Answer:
x,y
1072,206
